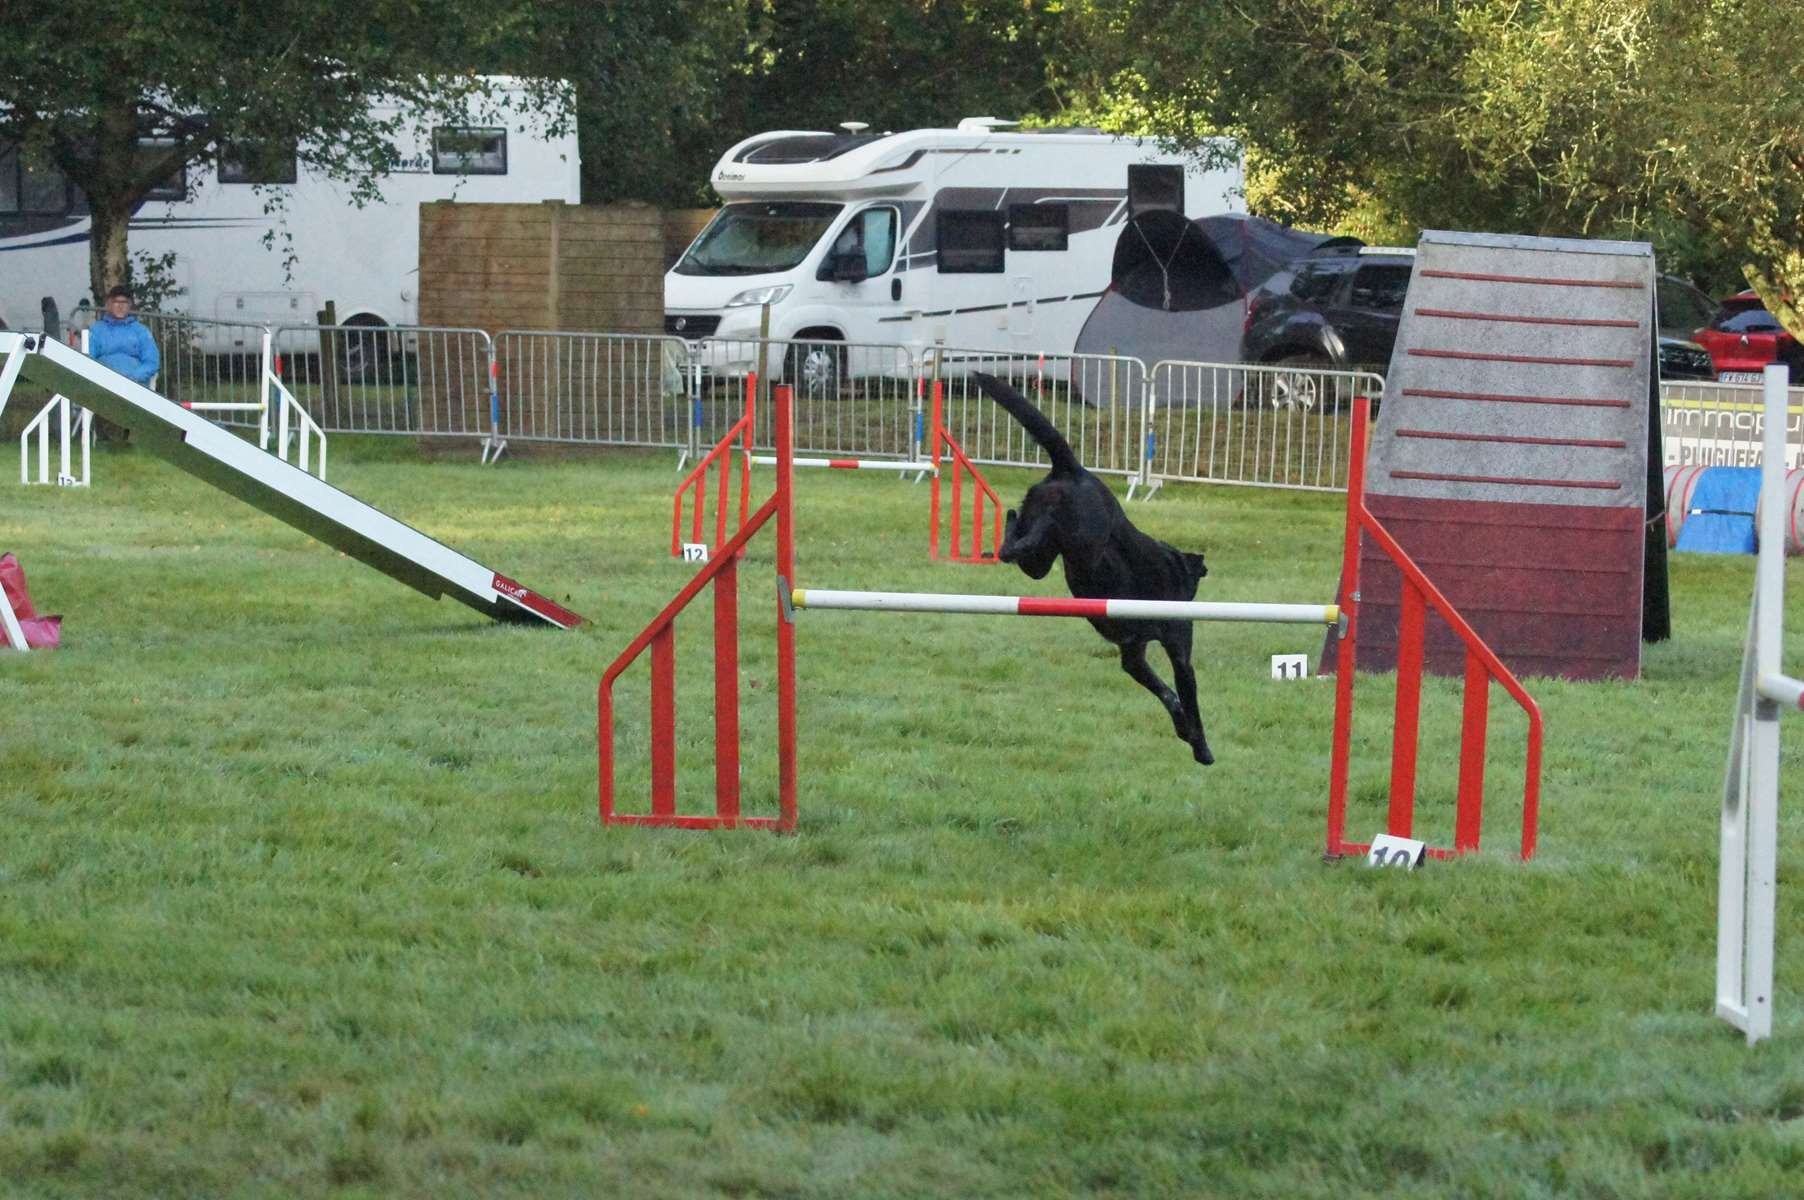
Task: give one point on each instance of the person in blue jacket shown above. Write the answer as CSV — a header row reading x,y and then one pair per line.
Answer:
x,y
118,341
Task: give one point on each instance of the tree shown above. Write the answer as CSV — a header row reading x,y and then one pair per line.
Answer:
x,y
650,83
120,98
1727,101
1669,121
897,64
1340,103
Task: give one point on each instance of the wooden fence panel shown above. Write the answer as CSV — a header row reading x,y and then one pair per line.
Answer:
x,y
542,266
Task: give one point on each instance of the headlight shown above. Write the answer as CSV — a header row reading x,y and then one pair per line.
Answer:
x,y
763,295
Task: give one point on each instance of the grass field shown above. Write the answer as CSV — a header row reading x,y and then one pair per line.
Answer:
x,y
302,891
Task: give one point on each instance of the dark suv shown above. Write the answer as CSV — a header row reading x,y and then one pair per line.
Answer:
x,y
1338,307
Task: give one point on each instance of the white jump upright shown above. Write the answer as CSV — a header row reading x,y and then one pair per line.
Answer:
x,y
1747,884
287,410
1054,606
69,428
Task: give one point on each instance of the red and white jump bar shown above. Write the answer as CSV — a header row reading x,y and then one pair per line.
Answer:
x,y
1046,606
1781,689
849,464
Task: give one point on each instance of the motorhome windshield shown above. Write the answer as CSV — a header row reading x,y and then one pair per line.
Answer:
x,y
757,239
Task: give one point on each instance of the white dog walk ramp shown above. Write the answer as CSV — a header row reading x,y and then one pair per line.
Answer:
x,y
228,462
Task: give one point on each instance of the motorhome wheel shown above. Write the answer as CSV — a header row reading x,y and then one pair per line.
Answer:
x,y
815,367
366,353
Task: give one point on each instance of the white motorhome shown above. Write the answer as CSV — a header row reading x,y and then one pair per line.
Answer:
x,y
230,253
974,237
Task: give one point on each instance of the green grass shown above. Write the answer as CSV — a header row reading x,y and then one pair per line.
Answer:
x,y
304,892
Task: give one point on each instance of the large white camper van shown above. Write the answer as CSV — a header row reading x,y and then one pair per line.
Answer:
x,y
231,255
974,237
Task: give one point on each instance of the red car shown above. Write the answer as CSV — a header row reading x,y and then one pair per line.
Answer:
x,y
1744,337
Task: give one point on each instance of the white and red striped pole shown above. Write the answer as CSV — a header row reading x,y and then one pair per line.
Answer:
x,y
1048,606
846,464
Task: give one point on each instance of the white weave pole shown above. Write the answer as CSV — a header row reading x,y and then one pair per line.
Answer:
x,y
1041,606
1747,883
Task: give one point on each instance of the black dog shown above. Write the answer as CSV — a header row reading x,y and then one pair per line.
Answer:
x,y
1072,513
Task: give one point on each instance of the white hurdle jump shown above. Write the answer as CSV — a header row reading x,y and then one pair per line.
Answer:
x,y
1048,606
1748,879
79,431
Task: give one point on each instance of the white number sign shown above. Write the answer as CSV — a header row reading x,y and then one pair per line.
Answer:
x,y
1290,666
1388,851
695,552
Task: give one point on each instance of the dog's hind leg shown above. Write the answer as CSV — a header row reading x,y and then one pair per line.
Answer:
x,y
1183,719
1190,727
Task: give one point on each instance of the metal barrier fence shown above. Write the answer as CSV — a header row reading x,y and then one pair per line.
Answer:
x,y
599,388
1267,426
1096,400
209,362
401,379
1235,423
851,398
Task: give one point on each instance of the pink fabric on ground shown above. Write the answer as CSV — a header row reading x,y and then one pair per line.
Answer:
x,y
41,633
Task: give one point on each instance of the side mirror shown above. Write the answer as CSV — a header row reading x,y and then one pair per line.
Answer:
x,y
845,266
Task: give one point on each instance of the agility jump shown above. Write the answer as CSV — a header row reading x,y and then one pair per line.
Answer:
x,y
972,543
722,573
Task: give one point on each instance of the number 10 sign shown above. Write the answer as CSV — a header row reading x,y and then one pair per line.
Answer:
x,y
1390,851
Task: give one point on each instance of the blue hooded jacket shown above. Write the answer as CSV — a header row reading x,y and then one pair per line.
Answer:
x,y
126,347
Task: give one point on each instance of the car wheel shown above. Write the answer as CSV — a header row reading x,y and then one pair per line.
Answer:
x,y
1299,388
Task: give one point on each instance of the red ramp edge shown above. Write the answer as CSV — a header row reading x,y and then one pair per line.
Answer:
x,y
532,602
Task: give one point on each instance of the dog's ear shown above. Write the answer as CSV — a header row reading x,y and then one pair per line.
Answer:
x,y
1194,564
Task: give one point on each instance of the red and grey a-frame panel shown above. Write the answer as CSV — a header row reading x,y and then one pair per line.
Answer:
x,y
1510,455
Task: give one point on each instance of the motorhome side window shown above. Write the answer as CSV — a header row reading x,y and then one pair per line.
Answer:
x,y
970,241
870,237
258,162
29,185
1153,186
1039,226
467,150
174,187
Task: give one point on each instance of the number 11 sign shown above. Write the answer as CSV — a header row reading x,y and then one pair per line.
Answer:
x,y
1290,666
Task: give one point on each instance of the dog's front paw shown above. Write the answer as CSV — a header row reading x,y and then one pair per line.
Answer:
x,y
1199,750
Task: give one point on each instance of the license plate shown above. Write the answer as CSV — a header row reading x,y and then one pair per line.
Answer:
x,y
1738,377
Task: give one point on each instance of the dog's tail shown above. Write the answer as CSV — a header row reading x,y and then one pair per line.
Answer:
x,y
1064,460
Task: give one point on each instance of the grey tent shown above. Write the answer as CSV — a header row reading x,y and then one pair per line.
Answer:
x,y
1178,288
